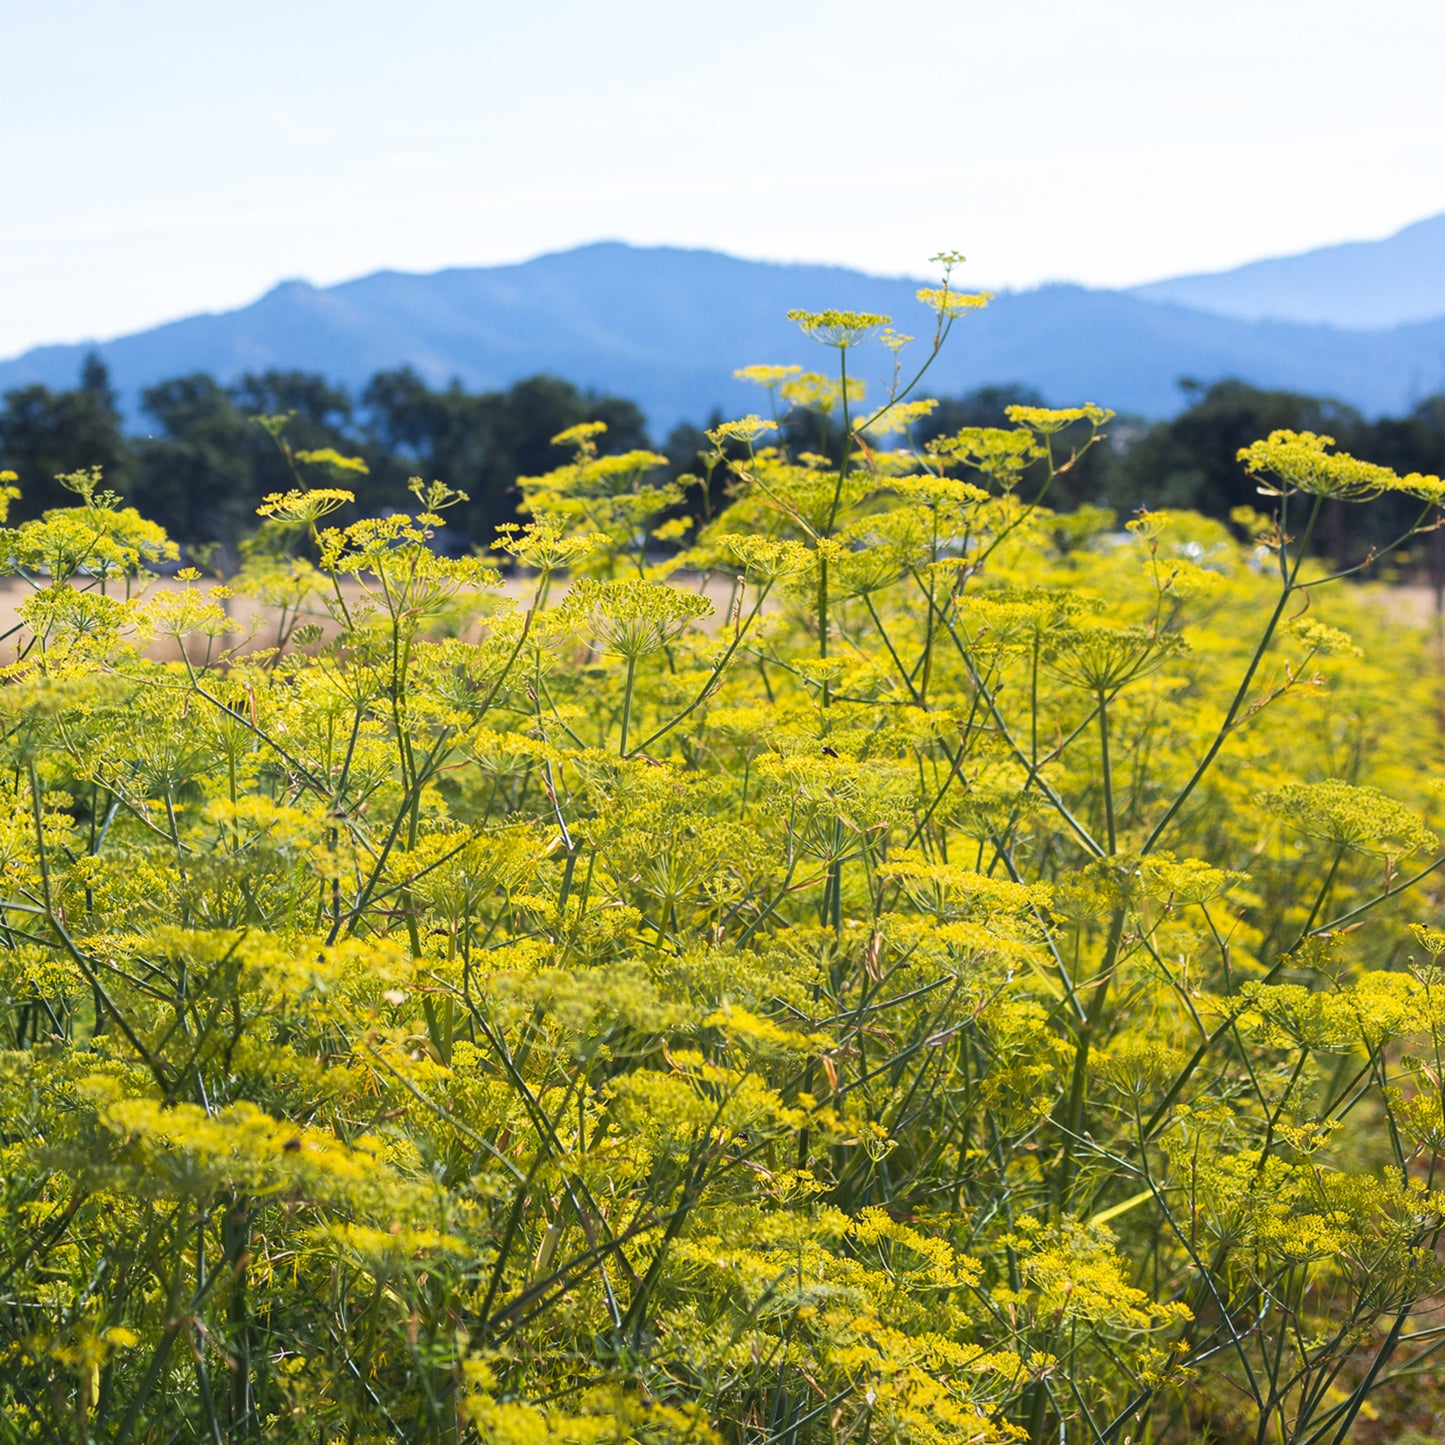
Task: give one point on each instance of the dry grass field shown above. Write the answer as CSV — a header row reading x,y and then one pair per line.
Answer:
x,y
258,622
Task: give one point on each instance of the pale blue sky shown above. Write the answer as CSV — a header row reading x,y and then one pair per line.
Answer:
x,y
167,156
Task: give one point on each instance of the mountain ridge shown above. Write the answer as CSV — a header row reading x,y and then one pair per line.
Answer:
x,y
667,327
1365,285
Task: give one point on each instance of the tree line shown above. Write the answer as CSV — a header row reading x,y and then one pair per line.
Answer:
x,y
200,465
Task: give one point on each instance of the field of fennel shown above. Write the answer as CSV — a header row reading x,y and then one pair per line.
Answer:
x,y
981,985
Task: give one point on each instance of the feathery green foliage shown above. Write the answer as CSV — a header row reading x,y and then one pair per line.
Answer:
x,y
977,983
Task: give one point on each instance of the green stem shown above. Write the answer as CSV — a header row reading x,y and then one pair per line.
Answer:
x,y
627,704
1079,1083
1226,727
1108,773
714,678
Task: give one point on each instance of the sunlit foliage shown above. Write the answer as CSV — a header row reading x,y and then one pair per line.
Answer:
x,y
912,967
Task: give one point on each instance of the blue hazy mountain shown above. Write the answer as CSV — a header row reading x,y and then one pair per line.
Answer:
x,y
667,328
1365,284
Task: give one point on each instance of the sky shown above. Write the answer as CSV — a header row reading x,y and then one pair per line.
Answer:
x,y
161,158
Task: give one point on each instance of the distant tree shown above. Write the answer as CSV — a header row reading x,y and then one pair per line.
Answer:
x,y
207,470
1192,460
318,416
1413,443
320,412
1091,480
986,406
482,442
530,413
46,433
200,476
405,417
687,449
445,435
205,465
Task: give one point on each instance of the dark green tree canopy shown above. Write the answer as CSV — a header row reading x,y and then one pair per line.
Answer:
x,y
45,434
202,465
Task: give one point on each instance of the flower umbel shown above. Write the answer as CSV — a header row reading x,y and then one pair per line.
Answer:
x,y
839,329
